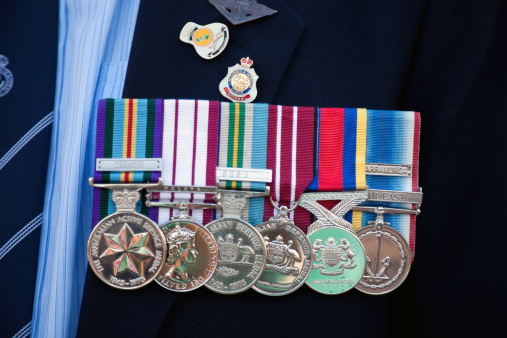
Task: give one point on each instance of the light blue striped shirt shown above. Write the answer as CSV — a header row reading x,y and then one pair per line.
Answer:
x,y
94,46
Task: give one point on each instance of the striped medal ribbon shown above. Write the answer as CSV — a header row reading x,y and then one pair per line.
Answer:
x,y
290,155
241,249
189,153
243,144
387,230
338,255
126,128
341,149
393,138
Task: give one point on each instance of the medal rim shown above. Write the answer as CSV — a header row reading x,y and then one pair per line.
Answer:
x,y
256,288
90,259
212,237
364,252
265,254
401,238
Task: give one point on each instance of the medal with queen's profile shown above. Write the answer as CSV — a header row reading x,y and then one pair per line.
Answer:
x,y
191,254
240,83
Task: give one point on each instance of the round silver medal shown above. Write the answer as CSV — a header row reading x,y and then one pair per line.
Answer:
x,y
241,258
289,257
126,250
338,260
388,259
191,256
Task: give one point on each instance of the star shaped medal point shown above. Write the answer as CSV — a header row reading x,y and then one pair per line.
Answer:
x,y
126,250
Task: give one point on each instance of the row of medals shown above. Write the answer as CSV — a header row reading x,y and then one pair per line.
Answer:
x,y
128,250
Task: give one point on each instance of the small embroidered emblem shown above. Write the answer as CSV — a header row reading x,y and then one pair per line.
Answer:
x,y
6,78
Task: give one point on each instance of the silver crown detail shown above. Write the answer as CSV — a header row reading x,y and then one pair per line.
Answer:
x,y
125,200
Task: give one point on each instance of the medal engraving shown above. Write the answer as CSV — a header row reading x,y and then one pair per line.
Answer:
x,y
191,255
395,196
338,260
127,164
242,252
242,255
241,11
126,249
382,169
240,83
388,258
289,257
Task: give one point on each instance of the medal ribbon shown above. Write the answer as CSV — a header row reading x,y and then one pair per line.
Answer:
x,y
258,136
189,153
290,155
126,128
392,138
243,143
341,149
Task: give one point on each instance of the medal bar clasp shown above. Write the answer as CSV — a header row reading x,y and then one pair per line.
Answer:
x,y
392,196
384,210
244,175
178,205
125,195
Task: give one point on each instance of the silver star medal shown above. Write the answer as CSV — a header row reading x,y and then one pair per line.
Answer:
x,y
209,41
241,11
240,83
126,250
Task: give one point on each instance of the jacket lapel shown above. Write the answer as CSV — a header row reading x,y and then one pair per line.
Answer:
x,y
161,66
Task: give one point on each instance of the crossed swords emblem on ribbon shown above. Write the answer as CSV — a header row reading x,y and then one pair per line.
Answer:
x,y
333,217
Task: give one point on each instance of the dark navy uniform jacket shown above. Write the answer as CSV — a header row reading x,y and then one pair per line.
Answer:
x,y
445,59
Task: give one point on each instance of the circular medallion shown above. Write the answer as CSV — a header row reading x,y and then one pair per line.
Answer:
x,y
240,82
126,250
191,256
338,260
203,37
289,258
241,258
388,259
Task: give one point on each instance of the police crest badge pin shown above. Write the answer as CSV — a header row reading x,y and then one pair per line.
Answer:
x,y
240,83
209,41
